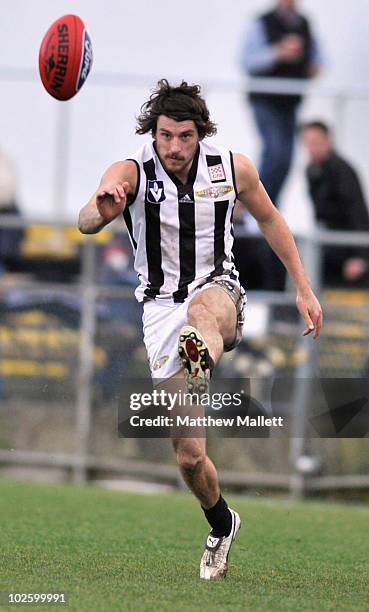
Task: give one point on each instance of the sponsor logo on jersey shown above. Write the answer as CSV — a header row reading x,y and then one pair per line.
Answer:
x,y
213,193
155,192
186,199
216,173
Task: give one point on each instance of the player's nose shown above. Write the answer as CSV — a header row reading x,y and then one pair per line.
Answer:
x,y
175,145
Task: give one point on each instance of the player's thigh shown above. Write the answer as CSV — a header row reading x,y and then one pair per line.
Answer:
x,y
217,302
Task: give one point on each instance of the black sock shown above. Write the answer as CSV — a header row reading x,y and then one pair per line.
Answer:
x,y
219,518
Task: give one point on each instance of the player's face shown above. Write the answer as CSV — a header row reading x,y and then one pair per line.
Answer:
x,y
317,143
176,142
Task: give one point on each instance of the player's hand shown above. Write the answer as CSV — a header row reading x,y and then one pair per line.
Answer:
x,y
309,307
111,200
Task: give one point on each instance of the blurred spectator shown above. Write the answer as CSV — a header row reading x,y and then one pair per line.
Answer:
x,y
116,265
279,44
10,238
339,204
124,314
116,269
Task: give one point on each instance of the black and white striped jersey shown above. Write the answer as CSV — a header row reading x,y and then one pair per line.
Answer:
x,y
182,235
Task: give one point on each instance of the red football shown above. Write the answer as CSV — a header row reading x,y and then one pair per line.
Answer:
x,y
65,57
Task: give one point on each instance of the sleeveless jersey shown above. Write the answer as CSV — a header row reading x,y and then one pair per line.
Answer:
x,y
182,235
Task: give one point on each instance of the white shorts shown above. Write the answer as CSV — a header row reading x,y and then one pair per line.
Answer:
x,y
162,323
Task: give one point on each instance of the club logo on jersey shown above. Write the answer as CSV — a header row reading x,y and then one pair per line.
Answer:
x,y
155,192
216,173
213,193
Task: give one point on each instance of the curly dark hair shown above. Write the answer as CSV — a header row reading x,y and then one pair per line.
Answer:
x,y
180,103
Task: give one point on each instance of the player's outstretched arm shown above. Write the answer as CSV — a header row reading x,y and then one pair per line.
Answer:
x,y
110,199
253,196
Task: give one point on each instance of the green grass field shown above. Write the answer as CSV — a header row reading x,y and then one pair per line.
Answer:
x,y
123,551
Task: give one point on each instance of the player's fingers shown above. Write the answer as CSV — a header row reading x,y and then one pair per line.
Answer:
x,y
309,323
106,193
120,190
117,195
318,325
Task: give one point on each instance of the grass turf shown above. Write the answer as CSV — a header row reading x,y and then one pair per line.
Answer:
x,y
122,551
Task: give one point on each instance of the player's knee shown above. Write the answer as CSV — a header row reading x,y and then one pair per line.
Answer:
x,y
190,461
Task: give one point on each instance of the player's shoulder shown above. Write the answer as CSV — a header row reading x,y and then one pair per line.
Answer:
x,y
209,148
247,176
243,164
145,152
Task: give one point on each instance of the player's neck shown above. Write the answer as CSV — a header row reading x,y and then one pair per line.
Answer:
x,y
182,175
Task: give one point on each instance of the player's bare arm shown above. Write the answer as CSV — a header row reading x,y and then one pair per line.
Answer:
x,y
109,201
253,196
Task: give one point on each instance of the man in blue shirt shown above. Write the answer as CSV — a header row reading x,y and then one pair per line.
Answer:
x,y
279,44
